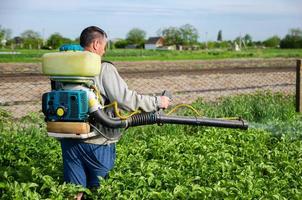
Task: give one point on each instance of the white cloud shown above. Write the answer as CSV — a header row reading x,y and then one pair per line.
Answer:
x,y
159,7
121,15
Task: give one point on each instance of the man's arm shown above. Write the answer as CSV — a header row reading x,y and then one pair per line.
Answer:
x,y
116,89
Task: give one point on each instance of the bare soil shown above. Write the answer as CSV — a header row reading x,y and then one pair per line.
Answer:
x,y
21,84
124,67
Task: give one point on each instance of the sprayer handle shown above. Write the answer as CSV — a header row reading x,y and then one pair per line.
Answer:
x,y
167,94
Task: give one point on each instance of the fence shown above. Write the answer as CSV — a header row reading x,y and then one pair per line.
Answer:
x,y
20,93
298,86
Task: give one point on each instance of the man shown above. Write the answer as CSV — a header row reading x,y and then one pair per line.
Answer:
x,y
85,160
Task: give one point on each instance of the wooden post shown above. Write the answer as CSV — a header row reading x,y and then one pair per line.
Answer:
x,y
299,87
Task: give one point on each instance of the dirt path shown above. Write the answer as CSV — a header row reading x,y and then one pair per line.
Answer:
x,y
22,92
35,68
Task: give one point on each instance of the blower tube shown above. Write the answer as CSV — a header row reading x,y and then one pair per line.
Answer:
x,y
157,118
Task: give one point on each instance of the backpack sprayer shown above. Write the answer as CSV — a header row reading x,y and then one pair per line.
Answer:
x,y
71,111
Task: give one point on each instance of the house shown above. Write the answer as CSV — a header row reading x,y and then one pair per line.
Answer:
x,y
154,43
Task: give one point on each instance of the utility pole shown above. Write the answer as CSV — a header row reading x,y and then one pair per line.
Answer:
x,y
206,40
108,37
240,41
299,86
43,35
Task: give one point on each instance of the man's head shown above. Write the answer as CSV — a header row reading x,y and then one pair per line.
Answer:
x,y
93,39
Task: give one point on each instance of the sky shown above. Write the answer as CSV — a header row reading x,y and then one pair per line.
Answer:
x,y
259,18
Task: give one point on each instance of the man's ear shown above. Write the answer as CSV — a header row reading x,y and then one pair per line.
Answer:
x,y
95,44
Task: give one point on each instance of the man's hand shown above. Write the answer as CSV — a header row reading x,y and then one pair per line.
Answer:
x,y
165,101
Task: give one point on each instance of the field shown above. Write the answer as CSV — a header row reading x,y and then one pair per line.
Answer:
x,y
21,84
140,55
171,162
168,162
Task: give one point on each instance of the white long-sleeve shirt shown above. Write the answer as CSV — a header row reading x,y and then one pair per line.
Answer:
x,y
113,88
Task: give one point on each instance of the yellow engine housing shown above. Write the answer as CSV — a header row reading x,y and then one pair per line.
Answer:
x,y
71,63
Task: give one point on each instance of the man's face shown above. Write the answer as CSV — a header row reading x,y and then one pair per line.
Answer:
x,y
99,46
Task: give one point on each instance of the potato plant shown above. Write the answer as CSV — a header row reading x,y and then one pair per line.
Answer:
x,y
170,161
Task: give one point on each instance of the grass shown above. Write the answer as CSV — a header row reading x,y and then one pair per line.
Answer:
x,y
24,56
261,107
142,55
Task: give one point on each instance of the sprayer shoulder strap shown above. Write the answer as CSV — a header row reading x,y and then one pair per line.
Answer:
x,y
106,61
106,100
56,85
59,85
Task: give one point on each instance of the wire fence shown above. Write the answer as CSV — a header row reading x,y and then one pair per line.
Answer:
x,y
21,93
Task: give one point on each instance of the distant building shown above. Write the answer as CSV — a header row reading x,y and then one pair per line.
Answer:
x,y
154,43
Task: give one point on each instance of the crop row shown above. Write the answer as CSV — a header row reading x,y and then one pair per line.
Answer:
x,y
170,162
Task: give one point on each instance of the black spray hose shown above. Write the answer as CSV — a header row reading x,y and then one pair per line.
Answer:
x,y
101,117
239,123
157,118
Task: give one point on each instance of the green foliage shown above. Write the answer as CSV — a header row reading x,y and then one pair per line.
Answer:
x,y
244,41
16,42
56,40
121,44
2,33
189,34
5,34
219,36
4,115
141,55
184,35
248,39
218,45
292,40
258,107
25,55
31,39
30,162
272,41
179,163
171,35
170,161
136,36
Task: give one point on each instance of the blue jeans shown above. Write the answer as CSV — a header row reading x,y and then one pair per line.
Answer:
x,y
84,163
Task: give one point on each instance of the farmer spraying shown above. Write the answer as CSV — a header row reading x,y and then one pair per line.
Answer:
x,y
79,112
86,159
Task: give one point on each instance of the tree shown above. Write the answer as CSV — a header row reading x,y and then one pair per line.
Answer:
x,y
30,34
56,40
238,41
219,36
31,39
15,42
5,35
189,34
172,35
295,32
273,41
136,36
2,33
121,44
245,41
185,35
77,40
292,40
248,39
18,40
